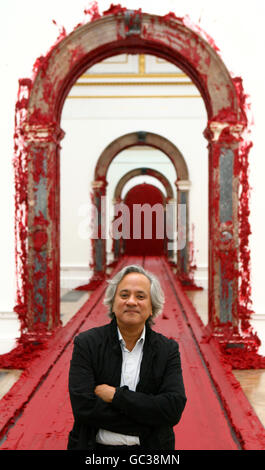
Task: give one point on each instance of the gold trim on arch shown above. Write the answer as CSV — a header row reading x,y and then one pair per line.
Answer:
x,y
141,64
141,71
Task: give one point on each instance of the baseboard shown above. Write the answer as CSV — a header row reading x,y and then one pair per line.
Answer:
x,y
258,316
9,329
201,276
74,276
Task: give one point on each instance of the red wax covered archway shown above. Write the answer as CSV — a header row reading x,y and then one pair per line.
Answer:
x,y
118,244
37,151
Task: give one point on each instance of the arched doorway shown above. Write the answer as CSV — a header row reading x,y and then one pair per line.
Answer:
x,y
118,245
142,138
37,150
146,205
147,172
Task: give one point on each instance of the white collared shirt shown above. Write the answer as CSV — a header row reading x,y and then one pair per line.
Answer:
x,y
130,374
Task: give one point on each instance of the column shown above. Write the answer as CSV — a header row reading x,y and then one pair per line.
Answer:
x,y
183,188
170,224
42,258
99,243
224,141
117,243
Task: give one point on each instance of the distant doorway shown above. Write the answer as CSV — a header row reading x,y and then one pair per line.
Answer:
x,y
147,234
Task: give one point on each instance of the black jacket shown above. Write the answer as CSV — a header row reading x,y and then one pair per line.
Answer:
x,y
150,412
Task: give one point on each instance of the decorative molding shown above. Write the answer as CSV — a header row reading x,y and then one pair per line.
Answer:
x,y
132,83
216,129
183,185
142,148
133,75
141,70
129,96
38,133
98,184
8,316
69,267
73,276
258,316
109,60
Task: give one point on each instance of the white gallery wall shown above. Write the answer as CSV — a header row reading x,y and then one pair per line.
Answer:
x,y
27,31
90,126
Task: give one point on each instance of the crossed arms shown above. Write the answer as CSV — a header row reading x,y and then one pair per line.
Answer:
x,y
119,409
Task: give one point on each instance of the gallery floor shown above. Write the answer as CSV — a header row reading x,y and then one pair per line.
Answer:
x,y
228,406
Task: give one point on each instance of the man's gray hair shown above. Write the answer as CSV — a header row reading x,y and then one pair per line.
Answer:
x,y
156,292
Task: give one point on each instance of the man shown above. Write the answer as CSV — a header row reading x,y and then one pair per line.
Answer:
x,y
125,380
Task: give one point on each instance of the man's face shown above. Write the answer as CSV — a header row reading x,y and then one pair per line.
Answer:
x,y
132,302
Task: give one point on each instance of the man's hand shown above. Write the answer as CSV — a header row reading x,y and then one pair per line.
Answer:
x,y
105,392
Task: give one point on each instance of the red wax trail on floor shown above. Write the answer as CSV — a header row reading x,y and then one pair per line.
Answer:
x,y
196,429
47,417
